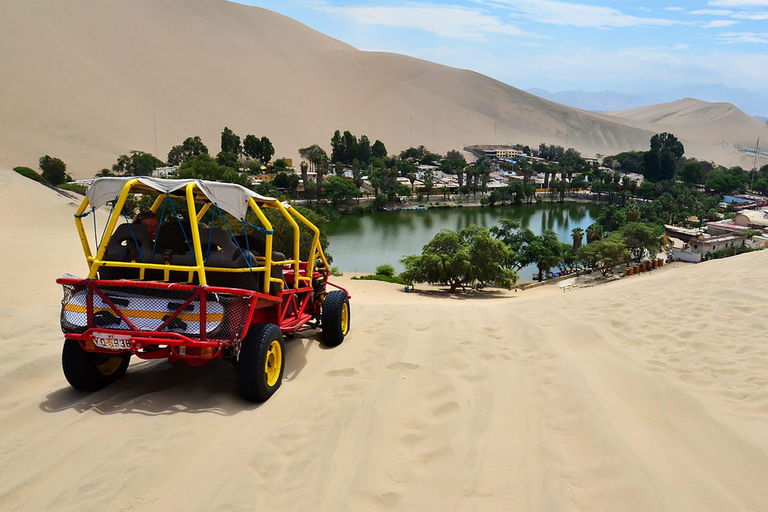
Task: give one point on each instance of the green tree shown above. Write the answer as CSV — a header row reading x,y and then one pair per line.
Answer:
x,y
603,255
339,190
230,142
337,147
293,184
692,172
364,151
315,155
192,146
568,260
594,232
304,167
54,170
545,251
577,234
641,238
267,150
252,147
667,142
517,239
724,182
138,163
349,147
281,180
320,171
203,167
429,182
228,159
460,258
378,149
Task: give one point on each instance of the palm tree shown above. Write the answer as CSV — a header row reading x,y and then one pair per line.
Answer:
x,y
594,233
321,169
633,211
305,176
412,178
577,234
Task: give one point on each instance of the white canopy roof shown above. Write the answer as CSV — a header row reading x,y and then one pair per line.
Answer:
x,y
229,197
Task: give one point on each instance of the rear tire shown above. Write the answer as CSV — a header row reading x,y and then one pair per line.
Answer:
x,y
261,363
336,318
91,371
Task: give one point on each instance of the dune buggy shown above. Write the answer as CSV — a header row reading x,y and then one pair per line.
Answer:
x,y
210,285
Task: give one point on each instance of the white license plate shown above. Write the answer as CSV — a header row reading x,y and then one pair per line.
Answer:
x,y
112,341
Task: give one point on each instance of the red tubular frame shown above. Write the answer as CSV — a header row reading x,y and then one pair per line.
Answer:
x,y
293,311
141,339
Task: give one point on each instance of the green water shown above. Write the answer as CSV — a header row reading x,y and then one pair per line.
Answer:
x,y
359,243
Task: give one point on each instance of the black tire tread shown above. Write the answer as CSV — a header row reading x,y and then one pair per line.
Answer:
x,y
251,382
81,370
332,307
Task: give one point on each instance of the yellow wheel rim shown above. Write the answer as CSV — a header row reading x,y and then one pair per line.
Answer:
x,y
274,363
109,365
345,318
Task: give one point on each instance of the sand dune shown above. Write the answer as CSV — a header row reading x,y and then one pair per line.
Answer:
x,y
644,394
87,80
693,120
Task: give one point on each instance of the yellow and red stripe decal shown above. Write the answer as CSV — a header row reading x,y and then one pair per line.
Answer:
x,y
140,313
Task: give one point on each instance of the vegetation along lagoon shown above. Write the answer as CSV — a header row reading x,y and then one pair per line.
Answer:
x,y
359,243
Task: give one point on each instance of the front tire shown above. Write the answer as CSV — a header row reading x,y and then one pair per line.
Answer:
x,y
261,363
91,371
336,318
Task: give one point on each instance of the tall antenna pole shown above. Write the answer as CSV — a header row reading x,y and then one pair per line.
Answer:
x,y
754,164
154,120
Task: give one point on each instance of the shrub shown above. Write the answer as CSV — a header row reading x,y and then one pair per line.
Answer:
x,y
388,279
31,174
74,187
336,272
385,270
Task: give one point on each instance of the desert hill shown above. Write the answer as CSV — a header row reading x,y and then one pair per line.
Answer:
x,y
696,121
87,80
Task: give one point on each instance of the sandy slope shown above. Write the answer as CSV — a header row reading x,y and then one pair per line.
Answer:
x,y
88,80
646,394
693,120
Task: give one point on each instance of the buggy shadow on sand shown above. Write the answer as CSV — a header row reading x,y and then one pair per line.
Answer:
x,y
195,293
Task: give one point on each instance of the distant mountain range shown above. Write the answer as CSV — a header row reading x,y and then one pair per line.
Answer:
x,y
752,103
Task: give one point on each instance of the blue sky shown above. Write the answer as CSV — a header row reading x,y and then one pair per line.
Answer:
x,y
630,46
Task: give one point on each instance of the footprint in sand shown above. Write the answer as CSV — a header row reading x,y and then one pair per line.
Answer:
x,y
412,439
346,372
400,365
446,409
388,499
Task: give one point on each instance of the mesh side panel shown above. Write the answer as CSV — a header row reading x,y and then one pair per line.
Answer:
x,y
66,325
148,309
235,312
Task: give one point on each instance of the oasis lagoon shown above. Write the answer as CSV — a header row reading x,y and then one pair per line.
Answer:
x,y
359,243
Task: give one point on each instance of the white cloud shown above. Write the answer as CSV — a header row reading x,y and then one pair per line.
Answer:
x,y
673,8
743,37
580,15
719,23
450,21
679,47
712,12
738,3
751,16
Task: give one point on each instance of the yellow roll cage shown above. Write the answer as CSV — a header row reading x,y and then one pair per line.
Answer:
x,y
194,195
